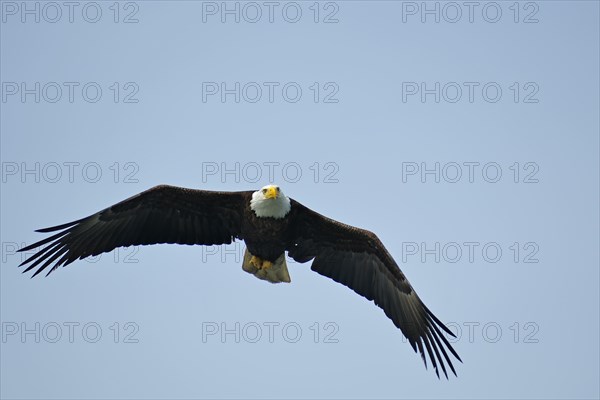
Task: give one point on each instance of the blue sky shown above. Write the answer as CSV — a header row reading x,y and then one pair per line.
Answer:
x,y
465,136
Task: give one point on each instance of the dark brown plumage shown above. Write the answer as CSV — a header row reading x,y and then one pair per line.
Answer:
x,y
351,256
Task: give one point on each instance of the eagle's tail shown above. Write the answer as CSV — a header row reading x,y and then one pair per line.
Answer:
x,y
275,273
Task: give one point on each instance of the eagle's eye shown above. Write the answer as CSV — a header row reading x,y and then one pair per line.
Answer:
x,y
278,188
264,191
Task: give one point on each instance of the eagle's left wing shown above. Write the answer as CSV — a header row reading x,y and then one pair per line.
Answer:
x,y
356,258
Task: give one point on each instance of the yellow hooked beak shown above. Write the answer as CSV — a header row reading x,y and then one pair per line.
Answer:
x,y
271,193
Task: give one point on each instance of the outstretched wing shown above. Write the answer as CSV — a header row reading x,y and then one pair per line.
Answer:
x,y
356,258
162,214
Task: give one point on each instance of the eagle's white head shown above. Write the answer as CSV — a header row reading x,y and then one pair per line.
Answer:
x,y
270,201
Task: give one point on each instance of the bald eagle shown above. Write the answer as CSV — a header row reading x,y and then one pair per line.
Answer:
x,y
270,223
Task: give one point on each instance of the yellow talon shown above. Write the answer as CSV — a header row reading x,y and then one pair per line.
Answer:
x,y
257,262
260,263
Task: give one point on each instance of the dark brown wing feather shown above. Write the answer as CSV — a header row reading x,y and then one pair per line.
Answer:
x,y
162,214
356,258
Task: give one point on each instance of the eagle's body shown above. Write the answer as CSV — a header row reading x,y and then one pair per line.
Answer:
x,y
267,233
270,223
267,238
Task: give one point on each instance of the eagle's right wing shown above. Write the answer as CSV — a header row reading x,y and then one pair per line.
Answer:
x,y
162,214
